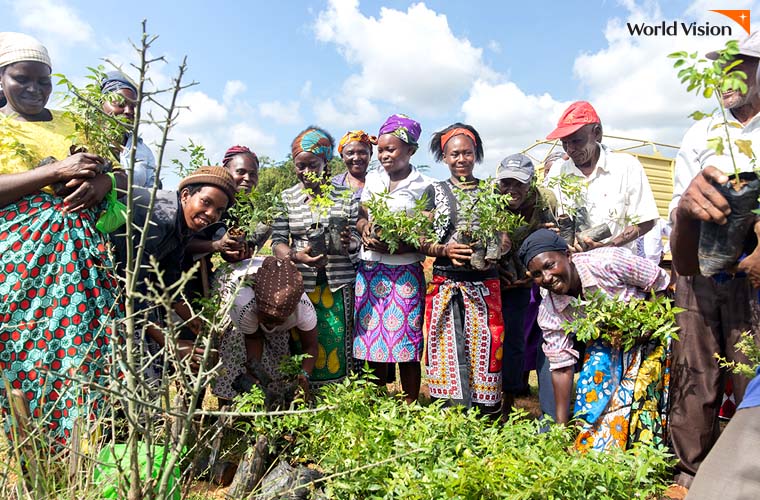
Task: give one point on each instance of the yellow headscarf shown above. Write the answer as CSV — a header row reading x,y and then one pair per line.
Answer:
x,y
356,136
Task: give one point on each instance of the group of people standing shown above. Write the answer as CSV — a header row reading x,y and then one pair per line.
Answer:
x,y
365,304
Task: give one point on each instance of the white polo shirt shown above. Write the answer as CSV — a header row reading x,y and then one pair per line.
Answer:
x,y
402,197
616,193
694,154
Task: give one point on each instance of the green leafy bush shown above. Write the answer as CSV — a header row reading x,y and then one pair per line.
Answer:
x,y
372,446
404,226
255,207
623,324
485,211
571,190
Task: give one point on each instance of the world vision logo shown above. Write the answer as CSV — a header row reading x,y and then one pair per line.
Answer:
x,y
675,28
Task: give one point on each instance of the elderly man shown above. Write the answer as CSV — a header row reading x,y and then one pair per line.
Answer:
x,y
617,192
719,307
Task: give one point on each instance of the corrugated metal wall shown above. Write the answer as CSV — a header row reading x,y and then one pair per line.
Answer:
x,y
659,170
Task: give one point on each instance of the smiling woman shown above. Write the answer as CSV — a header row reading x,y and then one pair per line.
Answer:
x,y
390,287
463,319
328,277
611,413
355,149
49,202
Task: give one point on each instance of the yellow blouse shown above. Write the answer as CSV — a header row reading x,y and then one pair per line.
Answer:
x,y
24,144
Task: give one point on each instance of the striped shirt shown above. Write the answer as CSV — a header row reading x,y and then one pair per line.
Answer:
x,y
614,271
291,228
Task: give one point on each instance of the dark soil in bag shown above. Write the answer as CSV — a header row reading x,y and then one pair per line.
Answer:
x,y
721,245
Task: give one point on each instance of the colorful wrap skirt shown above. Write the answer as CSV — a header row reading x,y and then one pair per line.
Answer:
x,y
622,397
58,299
335,328
465,331
389,312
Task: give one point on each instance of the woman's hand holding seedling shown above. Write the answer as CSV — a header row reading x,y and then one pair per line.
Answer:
x,y
303,257
510,279
458,253
187,349
550,226
370,242
345,238
228,243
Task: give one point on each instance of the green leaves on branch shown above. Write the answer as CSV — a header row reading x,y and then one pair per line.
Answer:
x,y
197,159
623,324
410,226
571,189
102,134
484,211
711,79
747,346
256,207
320,196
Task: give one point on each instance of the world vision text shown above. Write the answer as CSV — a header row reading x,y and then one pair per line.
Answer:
x,y
675,29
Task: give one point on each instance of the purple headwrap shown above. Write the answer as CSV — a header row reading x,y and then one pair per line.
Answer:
x,y
402,127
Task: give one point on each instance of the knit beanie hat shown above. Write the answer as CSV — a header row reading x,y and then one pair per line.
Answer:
x,y
278,287
213,176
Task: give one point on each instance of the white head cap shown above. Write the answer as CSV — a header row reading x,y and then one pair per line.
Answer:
x,y
18,47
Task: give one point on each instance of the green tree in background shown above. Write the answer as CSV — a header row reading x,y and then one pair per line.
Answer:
x,y
275,177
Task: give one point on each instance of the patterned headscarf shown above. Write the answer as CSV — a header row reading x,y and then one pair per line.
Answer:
x,y
402,127
356,136
278,287
115,81
313,140
238,150
18,47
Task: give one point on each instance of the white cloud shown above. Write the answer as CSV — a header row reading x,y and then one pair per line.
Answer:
x,y
508,119
215,126
348,113
52,21
201,110
409,59
256,139
232,89
287,113
494,46
305,92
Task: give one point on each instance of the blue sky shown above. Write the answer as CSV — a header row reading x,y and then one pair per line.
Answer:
x,y
268,69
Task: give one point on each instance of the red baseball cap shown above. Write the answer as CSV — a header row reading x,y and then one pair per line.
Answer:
x,y
577,115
